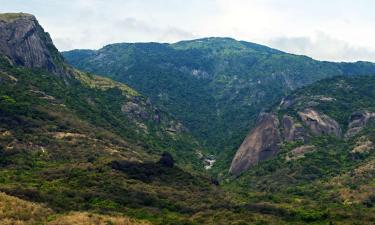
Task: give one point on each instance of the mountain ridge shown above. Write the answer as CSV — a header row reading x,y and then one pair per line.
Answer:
x,y
86,149
216,86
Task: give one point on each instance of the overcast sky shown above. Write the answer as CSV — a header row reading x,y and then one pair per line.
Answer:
x,y
338,30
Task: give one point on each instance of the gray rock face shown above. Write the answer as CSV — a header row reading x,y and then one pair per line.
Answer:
x,y
357,121
292,131
260,144
319,123
24,42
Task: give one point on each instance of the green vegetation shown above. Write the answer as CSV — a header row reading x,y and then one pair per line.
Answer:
x,y
77,148
333,182
215,86
70,147
9,17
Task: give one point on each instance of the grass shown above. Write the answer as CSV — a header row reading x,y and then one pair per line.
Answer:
x,y
9,17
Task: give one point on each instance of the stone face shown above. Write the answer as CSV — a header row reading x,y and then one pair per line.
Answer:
x,y
319,123
357,121
24,43
292,131
260,144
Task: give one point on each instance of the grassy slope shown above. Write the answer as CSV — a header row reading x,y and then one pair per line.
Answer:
x,y
15,211
57,150
61,146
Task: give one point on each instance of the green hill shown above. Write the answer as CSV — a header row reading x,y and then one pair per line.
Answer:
x,y
214,86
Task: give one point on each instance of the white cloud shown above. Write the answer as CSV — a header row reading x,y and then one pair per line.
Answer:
x,y
324,47
345,26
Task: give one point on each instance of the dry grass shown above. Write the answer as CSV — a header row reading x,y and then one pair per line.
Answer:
x,y
102,83
94,219
9,17
16,211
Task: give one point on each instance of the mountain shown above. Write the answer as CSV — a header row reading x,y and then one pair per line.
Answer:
x,y
77,148
316,146
340,108
76,142
24,42
215,86
80,148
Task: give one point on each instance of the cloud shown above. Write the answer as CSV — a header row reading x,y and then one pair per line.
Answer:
x,y
324,47
290,25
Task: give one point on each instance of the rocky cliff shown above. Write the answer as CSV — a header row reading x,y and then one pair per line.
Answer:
x,y
301,117
24,43
260,144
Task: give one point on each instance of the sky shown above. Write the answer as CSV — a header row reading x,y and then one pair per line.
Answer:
x,y
334,30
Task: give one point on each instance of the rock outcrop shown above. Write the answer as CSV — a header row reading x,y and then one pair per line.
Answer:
x,y
264,140
357,121
319,123
262,143
292,131
24,43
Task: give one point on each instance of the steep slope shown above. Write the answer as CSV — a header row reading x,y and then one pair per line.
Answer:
x,y
323,158
79,142
326,130
340,108
215,86
24,42
78,148
98,101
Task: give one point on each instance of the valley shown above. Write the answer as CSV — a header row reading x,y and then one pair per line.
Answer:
x,y
207,131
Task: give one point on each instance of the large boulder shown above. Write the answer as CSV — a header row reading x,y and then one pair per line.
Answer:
x,y
262,143
319,123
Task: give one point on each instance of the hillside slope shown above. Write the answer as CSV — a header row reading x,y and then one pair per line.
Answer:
x,y
76,148
215,86
322,150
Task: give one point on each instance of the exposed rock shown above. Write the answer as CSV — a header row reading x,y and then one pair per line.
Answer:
x,y
357,121
300,152
262,143
133,110
209,161
287,102
319,123
292,131
24,43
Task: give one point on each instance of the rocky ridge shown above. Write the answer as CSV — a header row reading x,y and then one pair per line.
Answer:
x,y
269,134
24,43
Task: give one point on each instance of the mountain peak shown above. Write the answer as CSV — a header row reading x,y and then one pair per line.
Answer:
x,y
24,43
223,43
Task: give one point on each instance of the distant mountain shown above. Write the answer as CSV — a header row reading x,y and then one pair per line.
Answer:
x,y
215,86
